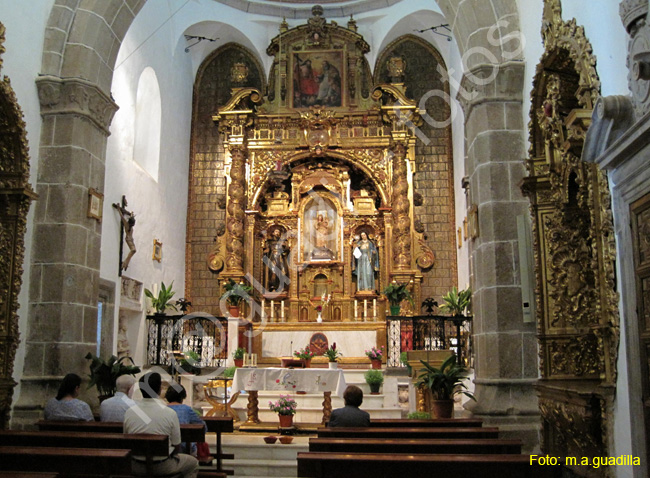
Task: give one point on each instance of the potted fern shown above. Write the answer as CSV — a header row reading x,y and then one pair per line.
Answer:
x,y
163,299
444,382
396,294
456,301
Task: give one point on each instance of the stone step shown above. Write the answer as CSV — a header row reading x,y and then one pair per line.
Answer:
x,y
255,458
267,468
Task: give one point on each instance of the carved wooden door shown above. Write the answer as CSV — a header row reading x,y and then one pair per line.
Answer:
x,y
640,214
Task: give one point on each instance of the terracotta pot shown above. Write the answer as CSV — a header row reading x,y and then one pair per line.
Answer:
x,y
233,310
442,408
376,364
307,362
286,421
239,362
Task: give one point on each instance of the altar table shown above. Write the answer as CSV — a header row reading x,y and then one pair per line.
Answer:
x,y
291,381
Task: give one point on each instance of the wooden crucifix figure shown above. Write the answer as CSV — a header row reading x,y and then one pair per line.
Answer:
x,y
126,233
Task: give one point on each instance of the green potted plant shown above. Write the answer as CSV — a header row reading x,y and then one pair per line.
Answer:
x,y
396,294
190,362
238,356
229,372
104,373
419,416
374,378
234,294
404,360
444,382
333,355
305,355
163,300
456,301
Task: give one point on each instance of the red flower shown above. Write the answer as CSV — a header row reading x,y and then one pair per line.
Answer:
x,y
277,381
333,345
319,308
294,386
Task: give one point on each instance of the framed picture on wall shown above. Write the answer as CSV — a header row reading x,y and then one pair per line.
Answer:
x,y
317,78
157,250
95,204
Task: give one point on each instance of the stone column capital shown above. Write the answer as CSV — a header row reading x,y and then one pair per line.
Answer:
x,y
491,82
61,96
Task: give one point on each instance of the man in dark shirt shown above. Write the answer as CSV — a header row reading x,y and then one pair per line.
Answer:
x,y
350,415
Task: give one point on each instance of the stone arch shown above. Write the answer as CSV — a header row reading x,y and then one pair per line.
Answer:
x,y
79,53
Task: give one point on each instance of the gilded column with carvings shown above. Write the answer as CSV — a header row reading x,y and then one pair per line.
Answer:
x,y
236,212
401,209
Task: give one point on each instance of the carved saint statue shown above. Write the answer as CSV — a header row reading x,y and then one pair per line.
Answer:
x,y
277,271
366,263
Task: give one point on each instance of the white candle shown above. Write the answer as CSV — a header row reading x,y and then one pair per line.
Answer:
x,y
263,310
245,363
272,311
282,309
356,304
365,308
374,308
254,360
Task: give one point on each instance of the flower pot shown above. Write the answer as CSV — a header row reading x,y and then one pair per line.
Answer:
x,y
286,421
333,365
239,362
319,318
394,309
306,363
374,388
233,310
442,408
376,364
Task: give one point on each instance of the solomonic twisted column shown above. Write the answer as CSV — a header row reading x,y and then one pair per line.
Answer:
x,y
236,212
401,210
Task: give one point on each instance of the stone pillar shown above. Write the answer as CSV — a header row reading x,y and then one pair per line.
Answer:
x,y
506,347
62,320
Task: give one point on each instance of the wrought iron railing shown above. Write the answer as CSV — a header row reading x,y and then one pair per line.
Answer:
x,y
428,332
205,335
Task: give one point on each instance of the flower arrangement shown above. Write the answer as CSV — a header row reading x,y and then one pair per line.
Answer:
x,y
375,353
284,406
333,353
324,300
304,354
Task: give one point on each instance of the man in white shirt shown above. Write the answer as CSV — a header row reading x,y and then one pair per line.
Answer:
x,y
152,415
112,410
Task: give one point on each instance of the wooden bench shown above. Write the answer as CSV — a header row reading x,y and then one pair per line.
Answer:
x,y
83,462
190,432
219,425
362,465
20,474
483,446
148,445
436,422
419,433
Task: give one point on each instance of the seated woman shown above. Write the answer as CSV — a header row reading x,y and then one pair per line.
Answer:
x,y
66,405
175,395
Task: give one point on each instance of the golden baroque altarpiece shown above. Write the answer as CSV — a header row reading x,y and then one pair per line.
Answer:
x,y
319,199
15,198
574,249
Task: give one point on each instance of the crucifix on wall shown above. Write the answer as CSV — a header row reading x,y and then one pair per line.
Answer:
x,y
126,233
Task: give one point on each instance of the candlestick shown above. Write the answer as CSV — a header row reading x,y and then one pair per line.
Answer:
x,y
263,309
272,311
282,309
254,360
374,308
365,309
356,305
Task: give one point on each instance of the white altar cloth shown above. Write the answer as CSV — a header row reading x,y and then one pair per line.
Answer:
x,y
290,380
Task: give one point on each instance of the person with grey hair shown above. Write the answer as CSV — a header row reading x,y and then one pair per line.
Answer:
x,y
112,409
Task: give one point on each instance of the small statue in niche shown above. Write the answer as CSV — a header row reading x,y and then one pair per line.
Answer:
x,y
322,238
275,259
365,262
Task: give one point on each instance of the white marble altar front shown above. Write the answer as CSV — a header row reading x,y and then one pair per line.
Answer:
x,y
351,343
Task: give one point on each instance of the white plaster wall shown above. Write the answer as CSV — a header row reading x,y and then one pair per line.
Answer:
x,y
25,31
160,206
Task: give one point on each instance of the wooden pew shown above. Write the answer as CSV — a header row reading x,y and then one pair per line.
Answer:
x,y
20,474
484,446
220,425
82,462
140,444
419,433
362,465
436,422
190,432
